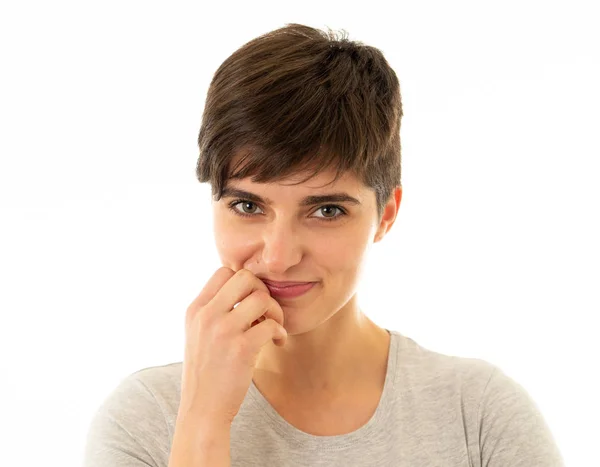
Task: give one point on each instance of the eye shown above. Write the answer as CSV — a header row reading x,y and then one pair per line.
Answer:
x,y
248,211
331,209
244,204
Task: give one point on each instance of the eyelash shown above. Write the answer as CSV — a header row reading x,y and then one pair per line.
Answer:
x,y
243,214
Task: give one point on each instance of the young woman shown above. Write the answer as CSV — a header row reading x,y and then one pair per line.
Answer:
x,y
300,141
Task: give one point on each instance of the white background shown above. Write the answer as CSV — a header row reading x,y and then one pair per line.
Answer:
x,y
106,235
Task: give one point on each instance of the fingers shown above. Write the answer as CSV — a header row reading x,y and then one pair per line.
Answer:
x,y
242,284
265,332
217,280
259,303
225,289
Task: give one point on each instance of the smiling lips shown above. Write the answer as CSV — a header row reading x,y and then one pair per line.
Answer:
x,y
288,289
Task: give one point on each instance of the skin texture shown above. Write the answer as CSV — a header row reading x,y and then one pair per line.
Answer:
x,y
332,346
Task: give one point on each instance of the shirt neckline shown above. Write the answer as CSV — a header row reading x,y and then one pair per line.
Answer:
x,y
309,441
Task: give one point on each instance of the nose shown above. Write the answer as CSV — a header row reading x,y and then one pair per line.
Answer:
x,y
281,247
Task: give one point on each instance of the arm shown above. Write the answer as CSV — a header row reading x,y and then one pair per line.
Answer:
x,y
129,430
512,429
199,446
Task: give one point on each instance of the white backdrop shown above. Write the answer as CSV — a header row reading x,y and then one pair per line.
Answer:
x,y
106,235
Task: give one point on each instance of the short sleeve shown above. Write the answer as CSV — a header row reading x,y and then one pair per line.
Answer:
x,y
128,430
513,431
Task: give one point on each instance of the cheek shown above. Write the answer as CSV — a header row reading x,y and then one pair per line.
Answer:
x,y
343,252
233,243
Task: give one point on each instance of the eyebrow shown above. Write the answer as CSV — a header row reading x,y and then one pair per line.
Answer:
x,y
340,197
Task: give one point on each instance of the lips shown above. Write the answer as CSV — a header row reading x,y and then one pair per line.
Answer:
x,y
288,289
283,284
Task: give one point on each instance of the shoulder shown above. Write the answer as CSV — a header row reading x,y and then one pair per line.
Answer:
x,y
136,418
140,391
441,373
507,423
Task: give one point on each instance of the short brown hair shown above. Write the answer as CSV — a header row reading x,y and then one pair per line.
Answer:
x,y
300,99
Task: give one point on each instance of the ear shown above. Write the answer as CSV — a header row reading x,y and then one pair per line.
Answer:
x,y
389,214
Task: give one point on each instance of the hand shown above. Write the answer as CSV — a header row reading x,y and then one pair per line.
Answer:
x,y
223,343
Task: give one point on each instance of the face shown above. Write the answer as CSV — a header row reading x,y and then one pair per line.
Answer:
x,y
277,232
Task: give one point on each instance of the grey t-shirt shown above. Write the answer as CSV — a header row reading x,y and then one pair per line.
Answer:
x,y
435,410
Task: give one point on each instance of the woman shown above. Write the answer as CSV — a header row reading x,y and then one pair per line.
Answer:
x,y
300,141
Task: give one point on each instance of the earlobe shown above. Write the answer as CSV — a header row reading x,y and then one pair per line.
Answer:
x,y
379,234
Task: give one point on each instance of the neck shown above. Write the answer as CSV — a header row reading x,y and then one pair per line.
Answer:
x,y
348,351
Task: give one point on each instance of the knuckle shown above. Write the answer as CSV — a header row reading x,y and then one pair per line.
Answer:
x,y
262,299
275,327
244,273
189,314
203,315
240,348
226,271
260,295
193,315
221,331
273,304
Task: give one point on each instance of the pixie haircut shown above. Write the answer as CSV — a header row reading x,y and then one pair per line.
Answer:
x,y
302,100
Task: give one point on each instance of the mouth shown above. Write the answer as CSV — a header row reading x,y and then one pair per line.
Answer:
x,y
283,284
288,289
